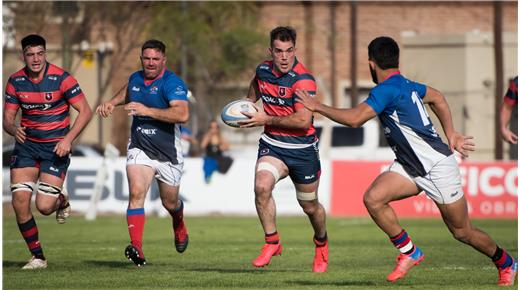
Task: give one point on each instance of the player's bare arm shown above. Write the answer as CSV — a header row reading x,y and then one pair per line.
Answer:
x,y
353,117
178,111
254,93
300,119
10,127
106,108
505,117
457,141
63,147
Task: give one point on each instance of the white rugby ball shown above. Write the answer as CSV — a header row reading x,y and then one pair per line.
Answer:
x,y
232,113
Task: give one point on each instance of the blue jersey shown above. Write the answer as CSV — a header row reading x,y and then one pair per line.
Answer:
x,y
159,140
406,124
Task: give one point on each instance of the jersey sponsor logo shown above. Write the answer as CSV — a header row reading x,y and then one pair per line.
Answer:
x,y
264,151
22,96
42,107
54,169
266,67
282,91
48,96
180,91
76,89
387,131
454,194
272,100
19,79
52,78
147,131
154,90
292,74
136,89
309,176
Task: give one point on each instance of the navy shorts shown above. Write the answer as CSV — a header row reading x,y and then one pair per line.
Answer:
x,y
39,155
304,164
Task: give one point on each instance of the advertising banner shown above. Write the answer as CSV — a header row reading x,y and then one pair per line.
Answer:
x,y
491,189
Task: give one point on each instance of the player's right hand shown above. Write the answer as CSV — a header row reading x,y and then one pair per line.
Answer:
x,y
105,109
20,134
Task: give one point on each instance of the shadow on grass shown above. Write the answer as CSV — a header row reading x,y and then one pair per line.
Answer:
x,y
238,271
14,264
331,283
109,264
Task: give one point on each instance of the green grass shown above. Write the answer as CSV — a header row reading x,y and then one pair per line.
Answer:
x,y
89,255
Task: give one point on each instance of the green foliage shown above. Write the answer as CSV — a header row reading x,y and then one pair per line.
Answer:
x,y
89,255
219,39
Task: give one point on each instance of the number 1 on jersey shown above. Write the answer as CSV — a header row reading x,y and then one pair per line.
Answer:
x,y
420,107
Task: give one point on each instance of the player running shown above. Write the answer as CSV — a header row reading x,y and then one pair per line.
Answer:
x,y
41,155
288,146
157,100
423,162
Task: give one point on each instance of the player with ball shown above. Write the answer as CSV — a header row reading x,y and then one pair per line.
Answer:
x,y
288,146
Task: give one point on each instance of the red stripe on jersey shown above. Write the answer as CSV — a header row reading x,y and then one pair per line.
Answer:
x,y
11,106
54,70
76,98
510,101
9,89
67,83
34,139
305,84
45,126
20,73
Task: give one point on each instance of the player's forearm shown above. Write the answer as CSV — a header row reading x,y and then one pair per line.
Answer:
x,y
294,121
118,100
442,111
505,116
169,115
9,127
84,117
342,116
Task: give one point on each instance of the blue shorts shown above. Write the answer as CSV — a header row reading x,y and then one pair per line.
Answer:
x,y
39,155
304,164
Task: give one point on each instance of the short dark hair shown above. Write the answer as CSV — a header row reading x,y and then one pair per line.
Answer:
x,y
384,51
283,33
155,44
32,40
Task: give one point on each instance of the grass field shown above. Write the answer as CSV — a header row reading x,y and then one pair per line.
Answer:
x,y
89,255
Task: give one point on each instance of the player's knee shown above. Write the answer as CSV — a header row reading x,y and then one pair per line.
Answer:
x,y
44,209
263,190
371,201
310,208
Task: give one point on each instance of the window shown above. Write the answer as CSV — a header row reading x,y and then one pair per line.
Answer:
x,y
346,136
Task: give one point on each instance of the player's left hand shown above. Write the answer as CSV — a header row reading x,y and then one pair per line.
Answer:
x,y
136,109
259,118
63,147
463,144
307,100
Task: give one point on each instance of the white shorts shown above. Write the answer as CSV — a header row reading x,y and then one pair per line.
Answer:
x,y
166,172
442,183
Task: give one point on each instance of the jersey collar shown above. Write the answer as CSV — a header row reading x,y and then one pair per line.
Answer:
x,y
392,74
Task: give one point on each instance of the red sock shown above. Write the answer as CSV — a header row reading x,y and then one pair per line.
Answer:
x,y
135,218
177,215
272,238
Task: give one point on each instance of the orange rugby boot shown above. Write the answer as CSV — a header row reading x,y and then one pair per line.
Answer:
x,y
404,264
506,276
321,257
268,251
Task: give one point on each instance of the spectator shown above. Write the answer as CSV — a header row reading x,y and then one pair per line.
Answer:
x,y
214,145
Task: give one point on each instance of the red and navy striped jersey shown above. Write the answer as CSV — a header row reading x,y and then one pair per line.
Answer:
x,y
45,104
279,99
511,97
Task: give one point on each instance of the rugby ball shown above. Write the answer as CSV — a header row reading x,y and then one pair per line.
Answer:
x,y
232,113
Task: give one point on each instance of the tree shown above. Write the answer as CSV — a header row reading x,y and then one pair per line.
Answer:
x,y
212,43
